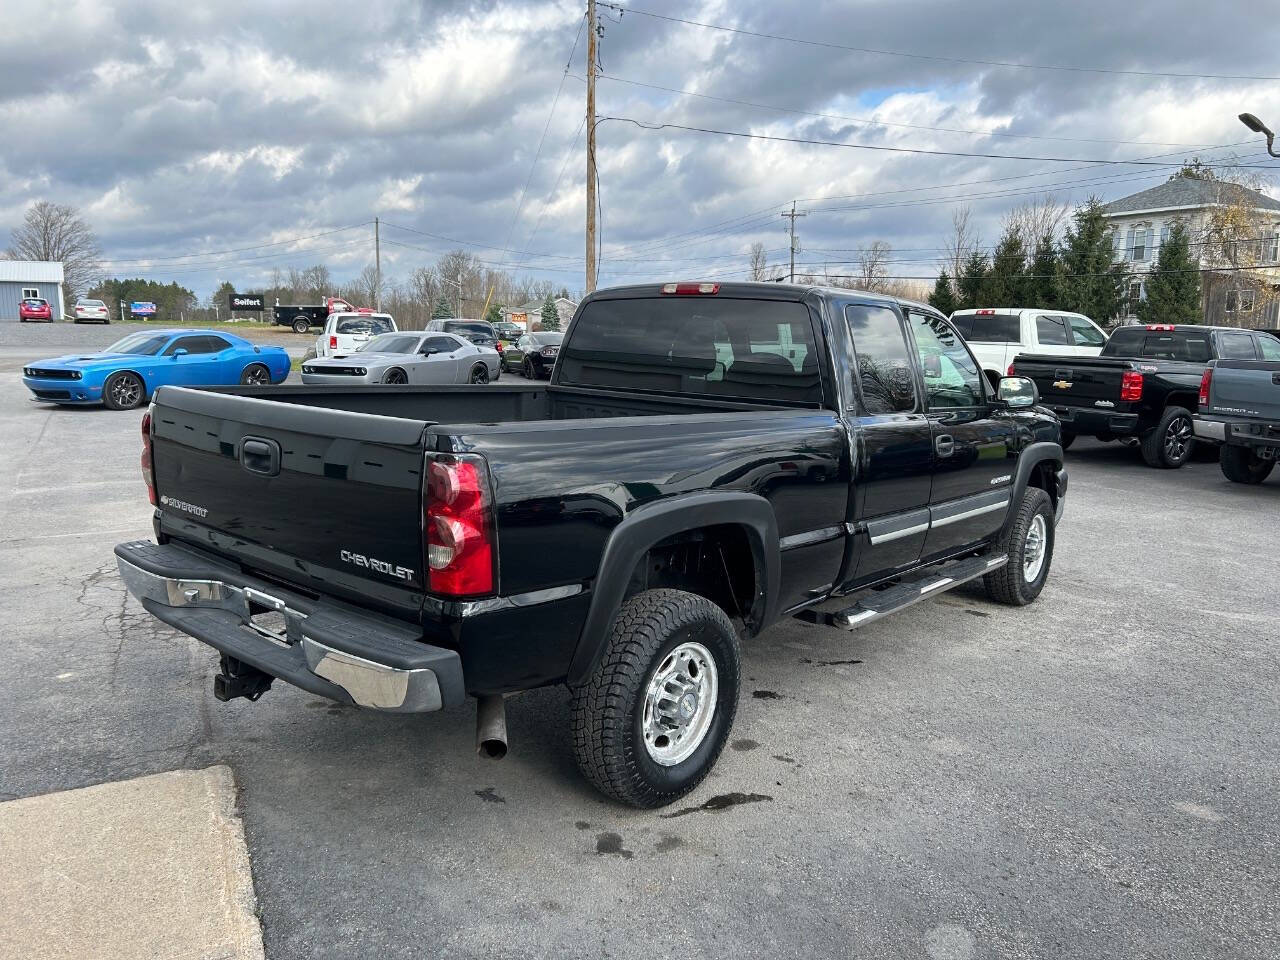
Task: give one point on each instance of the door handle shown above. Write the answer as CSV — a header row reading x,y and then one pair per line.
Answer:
x,y
260,456
945,444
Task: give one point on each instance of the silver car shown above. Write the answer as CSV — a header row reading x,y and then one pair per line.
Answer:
x,y
405,357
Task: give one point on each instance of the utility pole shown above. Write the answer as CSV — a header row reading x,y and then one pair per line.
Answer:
x,y
459,313
377,265
791,276
591,145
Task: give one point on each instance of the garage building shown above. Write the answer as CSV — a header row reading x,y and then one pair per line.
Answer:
x,y
20,279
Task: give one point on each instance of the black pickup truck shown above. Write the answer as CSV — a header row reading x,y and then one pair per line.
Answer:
x,y
1144,384
705,460
1240,409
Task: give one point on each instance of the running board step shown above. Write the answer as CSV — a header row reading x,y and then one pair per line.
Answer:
x,y
881,603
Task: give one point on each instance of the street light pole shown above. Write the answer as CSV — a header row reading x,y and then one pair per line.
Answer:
x,y
1257,126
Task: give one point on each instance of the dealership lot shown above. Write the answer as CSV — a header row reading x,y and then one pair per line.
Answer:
x,y
1090,776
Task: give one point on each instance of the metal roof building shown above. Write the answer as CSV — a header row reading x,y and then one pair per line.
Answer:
x,y
20,279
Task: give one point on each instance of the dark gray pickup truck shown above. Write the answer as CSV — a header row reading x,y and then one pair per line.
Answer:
x,y
1240,408
706,460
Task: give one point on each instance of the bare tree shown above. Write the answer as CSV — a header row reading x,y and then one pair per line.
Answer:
x,y
1240,239
962,242
368,285
1037,219
316,282
872,267
758,262
56,232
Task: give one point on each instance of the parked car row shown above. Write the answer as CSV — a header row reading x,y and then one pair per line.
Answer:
x,y
408,358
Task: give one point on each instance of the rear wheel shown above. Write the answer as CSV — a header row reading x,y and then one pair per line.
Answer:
x,y
1241,465
396,376
1067,440
650,722
301,325
123,391
255,375
480,373
1169,445
1029,546
527,369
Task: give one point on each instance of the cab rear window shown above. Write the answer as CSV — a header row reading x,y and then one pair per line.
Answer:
x,y
988,327
1191,346
360,325
724,348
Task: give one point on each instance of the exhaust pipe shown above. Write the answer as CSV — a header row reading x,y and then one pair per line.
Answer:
x,y
491,726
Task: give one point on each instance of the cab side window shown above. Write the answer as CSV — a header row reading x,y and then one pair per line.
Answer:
x,y
1052,330
1086,334
951,377
885,379
1236,346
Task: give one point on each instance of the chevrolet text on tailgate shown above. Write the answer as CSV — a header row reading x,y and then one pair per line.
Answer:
x,y
706,460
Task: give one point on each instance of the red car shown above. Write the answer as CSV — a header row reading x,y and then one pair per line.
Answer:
x,y
34,308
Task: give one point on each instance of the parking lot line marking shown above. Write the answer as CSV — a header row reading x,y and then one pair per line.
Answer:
x,y
151,867
78,533
76,485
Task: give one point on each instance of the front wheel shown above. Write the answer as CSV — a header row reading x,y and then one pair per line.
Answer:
x,y
527,369
1241,465
1029,546
650,722
396,376
1067,440
123,391
1169,445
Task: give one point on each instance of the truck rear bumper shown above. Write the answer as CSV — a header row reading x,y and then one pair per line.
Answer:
x,y
1088,422
329,649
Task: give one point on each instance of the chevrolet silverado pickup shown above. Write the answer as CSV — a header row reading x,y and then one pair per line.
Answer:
x,y
1240,409
706,460
1143,385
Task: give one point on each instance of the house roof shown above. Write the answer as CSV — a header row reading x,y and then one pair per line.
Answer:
x,y
535,306
30,271
1188,192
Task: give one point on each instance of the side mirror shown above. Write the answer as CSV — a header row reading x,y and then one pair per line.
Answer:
x,y
1018,392
428,351
180,352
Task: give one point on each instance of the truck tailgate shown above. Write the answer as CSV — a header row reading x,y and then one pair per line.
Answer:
x,y
1074,381
318,497
1249,388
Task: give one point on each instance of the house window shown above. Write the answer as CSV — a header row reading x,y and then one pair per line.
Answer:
x,y
1164,237
1135,295
1141,244
30,292
1271,247
1115,246
1246,301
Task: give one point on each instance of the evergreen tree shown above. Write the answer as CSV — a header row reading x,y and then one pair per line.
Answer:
x,y
1091,283
443,310
550,315
970,282
1173,285
1042,277
1004,283
942,299
494,314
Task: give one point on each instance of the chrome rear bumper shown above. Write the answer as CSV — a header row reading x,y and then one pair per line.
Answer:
x,y
330,649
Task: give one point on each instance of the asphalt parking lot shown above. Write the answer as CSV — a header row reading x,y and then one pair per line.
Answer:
x,y
1091,776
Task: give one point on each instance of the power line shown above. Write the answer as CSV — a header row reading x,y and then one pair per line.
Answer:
x,y
935,57
882,148
887,123
256,246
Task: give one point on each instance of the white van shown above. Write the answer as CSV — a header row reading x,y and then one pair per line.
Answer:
x,y
346,333
998,334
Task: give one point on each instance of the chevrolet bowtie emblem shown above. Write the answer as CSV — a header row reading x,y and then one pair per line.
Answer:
x,y
1062,384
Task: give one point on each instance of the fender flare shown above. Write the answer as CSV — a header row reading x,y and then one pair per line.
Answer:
x,y
1032,455
655,522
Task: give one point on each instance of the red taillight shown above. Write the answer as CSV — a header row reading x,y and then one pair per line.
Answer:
x,y
148,468
1009,372
458,527
985,313
1131,386
1206,379
1165,327
690,289
333,343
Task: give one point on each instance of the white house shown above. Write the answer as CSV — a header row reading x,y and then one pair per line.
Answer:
x,y
530,313
20,279
1142,222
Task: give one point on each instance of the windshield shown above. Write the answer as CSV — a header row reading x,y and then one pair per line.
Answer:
x,y
364,324
391,343
140,344
476,329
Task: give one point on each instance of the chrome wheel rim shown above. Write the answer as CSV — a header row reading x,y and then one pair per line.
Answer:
x,y
679,704
256,376
1177,439
126,391
1033,551
480,375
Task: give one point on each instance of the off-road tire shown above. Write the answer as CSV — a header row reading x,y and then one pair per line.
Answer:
x,y
1155,448
607,711
1008,585
1241,465
112,402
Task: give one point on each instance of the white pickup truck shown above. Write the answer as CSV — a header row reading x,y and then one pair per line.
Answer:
x,y
998,334
345,333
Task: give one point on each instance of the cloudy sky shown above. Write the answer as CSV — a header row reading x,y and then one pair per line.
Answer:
x,y
203,140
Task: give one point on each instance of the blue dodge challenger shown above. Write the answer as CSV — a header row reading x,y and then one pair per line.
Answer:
x,y
125,374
